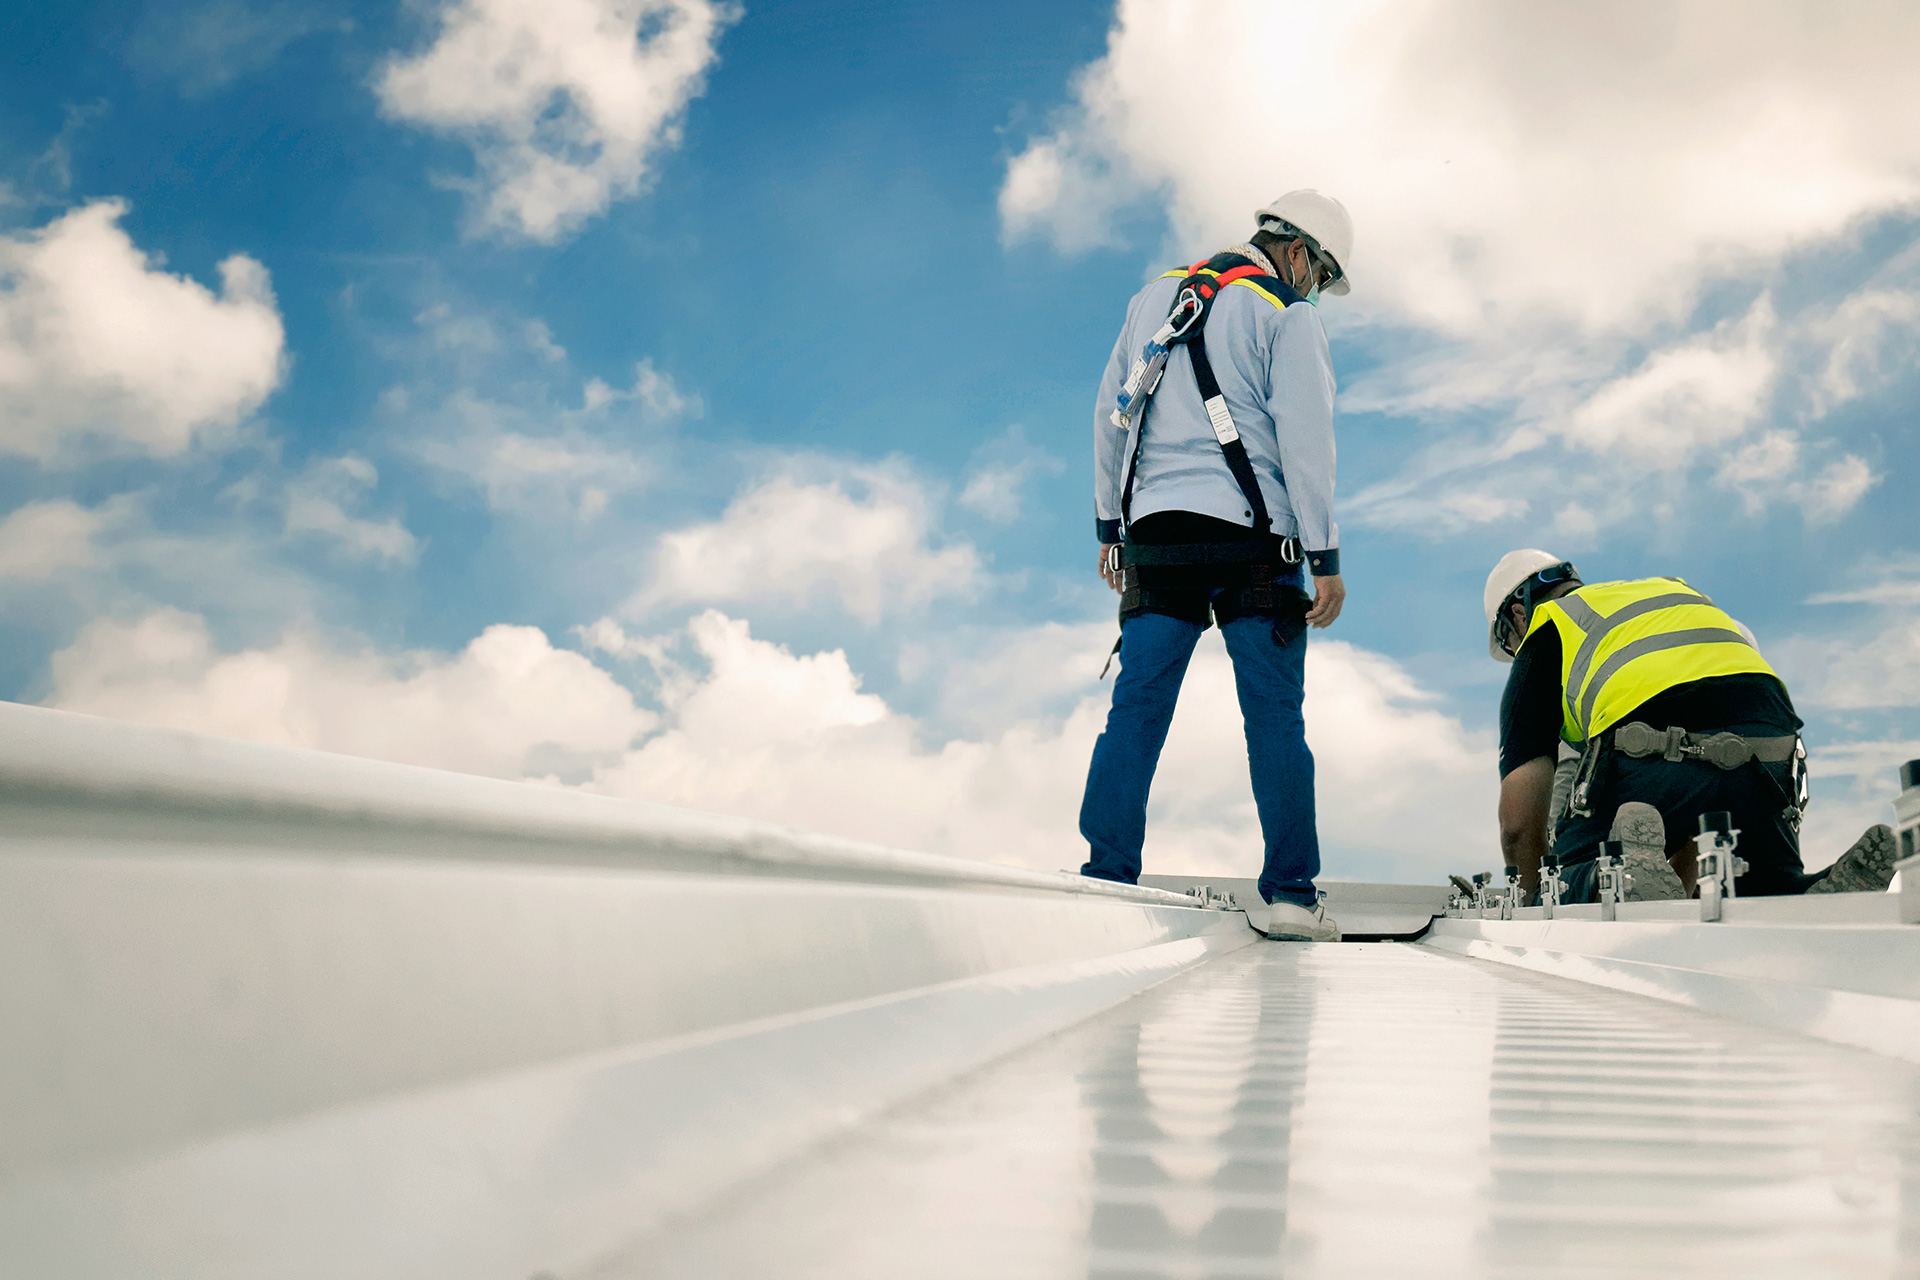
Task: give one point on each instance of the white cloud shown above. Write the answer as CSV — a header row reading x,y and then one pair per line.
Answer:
x,y
1505,164
1692,397
996,483
748,727
1465,508
564,102
1870,337
508,705
655,393
572,473
793,739
1880,671
531,456
1836,490
990,676
1853,786
209,44
993,492
1576,524
45,539
1770,457
801,543
98,346
1889,592
318,501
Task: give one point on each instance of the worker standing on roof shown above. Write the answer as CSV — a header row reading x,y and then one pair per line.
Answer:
x,y
1213,493
1674,712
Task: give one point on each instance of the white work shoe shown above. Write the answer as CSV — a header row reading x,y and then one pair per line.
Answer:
x,y
1290,922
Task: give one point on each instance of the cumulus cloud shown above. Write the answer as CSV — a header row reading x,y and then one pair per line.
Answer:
x,y
749,727
752,728
1493,154
509,705
101,349
564,102
44,539
862,541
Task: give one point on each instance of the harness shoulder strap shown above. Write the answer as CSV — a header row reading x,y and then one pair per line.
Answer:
x,y
1204,282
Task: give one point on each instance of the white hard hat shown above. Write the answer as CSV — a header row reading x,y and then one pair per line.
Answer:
x,y
1514,568
1323,220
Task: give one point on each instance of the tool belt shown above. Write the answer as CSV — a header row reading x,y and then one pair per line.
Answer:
x,y
1722,750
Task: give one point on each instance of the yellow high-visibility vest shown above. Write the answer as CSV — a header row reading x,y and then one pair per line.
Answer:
x,y
1623,642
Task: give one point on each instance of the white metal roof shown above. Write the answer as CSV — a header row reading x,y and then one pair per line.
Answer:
x,y
268,1013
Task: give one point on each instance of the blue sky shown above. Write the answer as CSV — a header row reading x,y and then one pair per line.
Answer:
x,y
691,402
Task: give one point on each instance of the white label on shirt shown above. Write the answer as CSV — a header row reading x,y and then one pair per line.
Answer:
x,y
1222,420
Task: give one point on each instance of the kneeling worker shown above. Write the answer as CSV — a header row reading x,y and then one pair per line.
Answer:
x,y
1212,494
1675,714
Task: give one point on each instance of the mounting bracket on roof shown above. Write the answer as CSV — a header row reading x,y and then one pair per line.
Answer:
x,y
1551,885
1718,865
1612,878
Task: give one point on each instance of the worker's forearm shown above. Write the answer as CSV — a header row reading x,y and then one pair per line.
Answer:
x,y
1524,849
1525,795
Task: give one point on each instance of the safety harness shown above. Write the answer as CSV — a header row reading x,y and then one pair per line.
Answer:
x,y
1187,566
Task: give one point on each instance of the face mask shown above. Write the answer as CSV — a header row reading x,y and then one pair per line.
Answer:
x,y
1312,295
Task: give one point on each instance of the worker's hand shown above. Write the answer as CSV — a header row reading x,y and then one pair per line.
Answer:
x,y
1106,565
1329,593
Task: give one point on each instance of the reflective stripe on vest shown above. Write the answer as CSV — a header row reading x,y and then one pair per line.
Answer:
x,y
1621,643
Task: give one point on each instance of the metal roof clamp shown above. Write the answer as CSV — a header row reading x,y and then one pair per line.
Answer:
x,y
1482,896
1612,878
1551,885
1718,865
1211,899
1510,896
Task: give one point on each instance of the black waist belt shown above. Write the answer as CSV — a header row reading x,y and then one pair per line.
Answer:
x,y
1722,750
1284,551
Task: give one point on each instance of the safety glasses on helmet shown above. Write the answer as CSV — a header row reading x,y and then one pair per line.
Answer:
x,y
1530,592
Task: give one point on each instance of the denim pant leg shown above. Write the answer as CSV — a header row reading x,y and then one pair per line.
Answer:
x,y
1154,652
1271,682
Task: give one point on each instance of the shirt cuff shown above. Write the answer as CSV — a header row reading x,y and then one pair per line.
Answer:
x,y
1107,530
1325,564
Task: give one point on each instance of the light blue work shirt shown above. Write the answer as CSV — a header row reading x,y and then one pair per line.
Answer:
x,y
1274,370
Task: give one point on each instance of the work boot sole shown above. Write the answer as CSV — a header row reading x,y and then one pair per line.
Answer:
x,y
1654,879
1867,867
1642,834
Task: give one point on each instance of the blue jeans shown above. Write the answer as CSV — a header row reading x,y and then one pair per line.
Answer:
x,y
1154,652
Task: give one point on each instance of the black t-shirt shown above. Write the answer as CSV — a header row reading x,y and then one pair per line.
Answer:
x,y
1751,704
